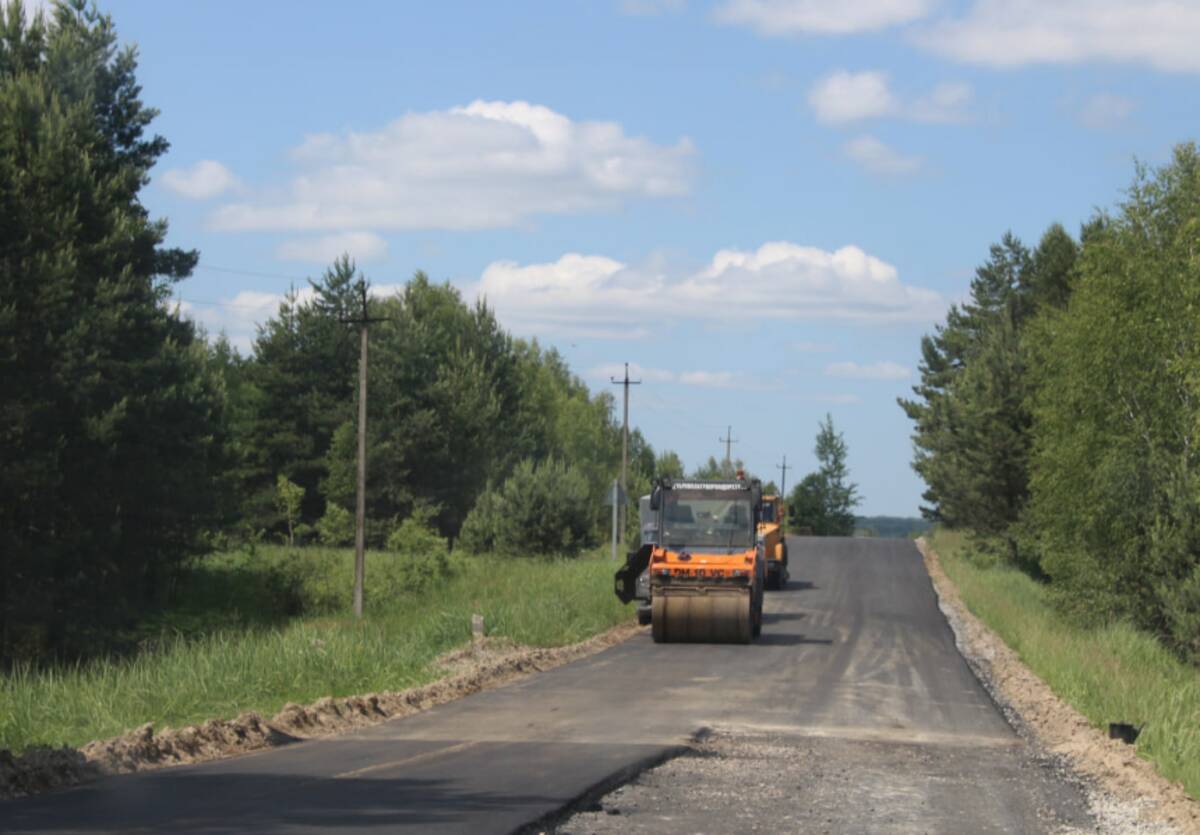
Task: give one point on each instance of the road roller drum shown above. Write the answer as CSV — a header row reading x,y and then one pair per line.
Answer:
x,y
721,616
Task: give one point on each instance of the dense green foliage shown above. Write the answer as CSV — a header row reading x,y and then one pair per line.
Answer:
x,y
1057,412
823,502
541,509
111,418
1116,469
1111,673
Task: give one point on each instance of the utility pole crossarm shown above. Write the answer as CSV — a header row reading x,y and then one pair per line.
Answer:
x,y
729,441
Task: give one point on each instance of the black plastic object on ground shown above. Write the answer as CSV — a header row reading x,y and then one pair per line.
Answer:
x,y
1123,731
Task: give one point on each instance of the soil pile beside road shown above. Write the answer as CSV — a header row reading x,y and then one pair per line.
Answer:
x,y
486,664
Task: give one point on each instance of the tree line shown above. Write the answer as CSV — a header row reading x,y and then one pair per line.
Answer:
x,y
133,443
1057,408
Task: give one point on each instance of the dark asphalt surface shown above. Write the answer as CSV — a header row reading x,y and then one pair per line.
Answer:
x,y
855,649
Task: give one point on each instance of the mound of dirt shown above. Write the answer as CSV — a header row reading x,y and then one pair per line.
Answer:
x,y
1056,726
485,663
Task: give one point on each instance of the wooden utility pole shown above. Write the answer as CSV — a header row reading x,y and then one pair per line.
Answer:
x,y
360,510
783,493
729,441
625,440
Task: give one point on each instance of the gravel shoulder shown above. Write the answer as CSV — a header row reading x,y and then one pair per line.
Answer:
x,y
1124,788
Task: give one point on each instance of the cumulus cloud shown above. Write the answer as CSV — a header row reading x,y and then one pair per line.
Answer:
x,y
1105,110
946,103
705,379
849,97
875,371
361,246
202,181
855,96
710,379
239,316
616,371
490,164
781,279
1011,33
820,17
878,158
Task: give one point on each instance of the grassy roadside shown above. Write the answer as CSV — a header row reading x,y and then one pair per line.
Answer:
x,y
1111,674
257,660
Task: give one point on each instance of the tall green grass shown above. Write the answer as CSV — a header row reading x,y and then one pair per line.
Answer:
x,y
231,656
1112,674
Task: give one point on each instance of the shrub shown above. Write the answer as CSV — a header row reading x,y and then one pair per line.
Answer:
x,y
542,509
415,535
336,527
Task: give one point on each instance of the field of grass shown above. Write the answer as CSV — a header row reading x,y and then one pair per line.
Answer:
x,y
1113,674
255,631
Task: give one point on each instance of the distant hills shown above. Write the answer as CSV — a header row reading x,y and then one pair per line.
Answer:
x,y
890,527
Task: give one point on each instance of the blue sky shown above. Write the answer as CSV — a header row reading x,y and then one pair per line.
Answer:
x,y
760,204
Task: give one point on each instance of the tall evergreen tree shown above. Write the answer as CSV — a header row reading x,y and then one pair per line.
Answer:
x,y
109,413
971,417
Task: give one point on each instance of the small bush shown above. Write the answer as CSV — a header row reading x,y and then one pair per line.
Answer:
x,y
336,527
541,510
415,535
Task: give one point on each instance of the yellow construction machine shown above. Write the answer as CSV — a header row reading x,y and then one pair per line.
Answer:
x,y
706,568
772,538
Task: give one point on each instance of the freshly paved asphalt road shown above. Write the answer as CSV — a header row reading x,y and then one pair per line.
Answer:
x,y
855,649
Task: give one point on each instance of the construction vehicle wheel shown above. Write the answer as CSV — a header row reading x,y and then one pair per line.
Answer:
x,y
644,615
719,618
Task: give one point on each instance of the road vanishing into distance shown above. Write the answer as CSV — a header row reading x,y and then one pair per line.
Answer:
x,y
856,669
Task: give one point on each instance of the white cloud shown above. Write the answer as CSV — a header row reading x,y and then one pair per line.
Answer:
x,y
202,181
1011,33
1105,110
849,97
704,379
781,279
616,370
854,96
361,246
946,103
877,371
711,379
238,317
878,158
486,165
821,17
652,8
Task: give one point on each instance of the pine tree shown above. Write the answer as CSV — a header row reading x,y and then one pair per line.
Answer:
x,y
110,413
